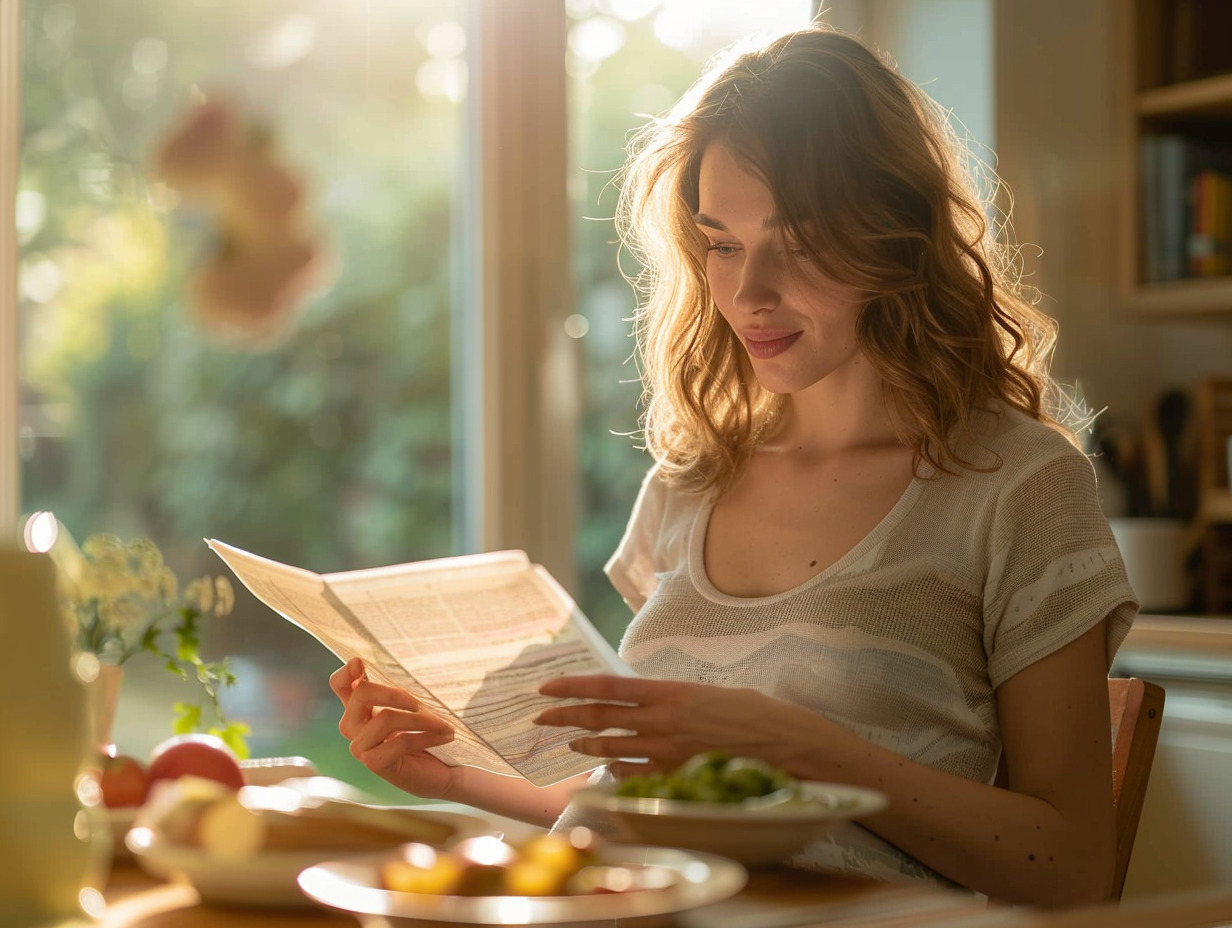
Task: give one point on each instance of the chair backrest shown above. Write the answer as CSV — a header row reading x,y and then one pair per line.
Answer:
x,y
1137,709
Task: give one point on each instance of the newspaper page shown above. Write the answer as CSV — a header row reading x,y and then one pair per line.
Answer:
x,y
472,637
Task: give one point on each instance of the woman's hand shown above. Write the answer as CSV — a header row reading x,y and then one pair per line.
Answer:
x,y
390,733
670,721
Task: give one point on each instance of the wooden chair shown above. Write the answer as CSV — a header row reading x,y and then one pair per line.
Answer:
x,y
1137,709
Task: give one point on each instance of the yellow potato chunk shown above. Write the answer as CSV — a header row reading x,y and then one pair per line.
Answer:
x,y
535,878
554,852
440,877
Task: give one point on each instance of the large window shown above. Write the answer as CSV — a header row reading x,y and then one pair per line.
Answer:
x,y
334,449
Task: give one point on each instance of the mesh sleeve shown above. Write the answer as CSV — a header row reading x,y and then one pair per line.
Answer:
x,y
631,567
1055,570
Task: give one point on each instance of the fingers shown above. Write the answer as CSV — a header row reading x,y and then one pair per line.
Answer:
x,y
623,769
387,722
366,698
663,752
608,687
388,755
593,716
343,680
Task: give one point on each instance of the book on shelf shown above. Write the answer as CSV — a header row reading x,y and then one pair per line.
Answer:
x,y
1186,208
1164,206
471,637
1210,229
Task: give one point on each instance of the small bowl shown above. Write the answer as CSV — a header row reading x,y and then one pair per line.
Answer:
x,y
265,879
757,831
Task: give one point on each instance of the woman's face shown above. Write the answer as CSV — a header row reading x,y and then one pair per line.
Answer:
x,y
798,327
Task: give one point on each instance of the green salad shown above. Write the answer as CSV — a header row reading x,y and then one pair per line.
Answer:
x,y
711,777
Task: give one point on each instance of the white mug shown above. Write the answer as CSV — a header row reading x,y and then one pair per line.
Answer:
x,y
1153,552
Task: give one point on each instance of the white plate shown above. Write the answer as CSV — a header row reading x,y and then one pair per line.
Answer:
x,y
267,879
355,886
749,832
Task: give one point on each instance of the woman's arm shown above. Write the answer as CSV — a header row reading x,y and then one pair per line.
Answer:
x,y
390,732
513,797
1048,840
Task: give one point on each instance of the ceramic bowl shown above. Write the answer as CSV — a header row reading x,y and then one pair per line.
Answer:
x,y
751,832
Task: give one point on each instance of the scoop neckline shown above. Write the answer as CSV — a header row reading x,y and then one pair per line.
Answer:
x,y
697,550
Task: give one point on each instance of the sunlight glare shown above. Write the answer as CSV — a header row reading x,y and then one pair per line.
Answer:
x,y
41,532
287,43
40,281
149,56
513,910
630,10
596,38
445,39
681,25
31,214
92,902
576,325
443,78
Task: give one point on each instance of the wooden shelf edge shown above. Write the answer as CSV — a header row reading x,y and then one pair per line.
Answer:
x,y
1204,635
1198,296
1187,97
1216,508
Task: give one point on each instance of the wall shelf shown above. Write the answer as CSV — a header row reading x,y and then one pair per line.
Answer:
x,y
1176,261
1211,95
1196,296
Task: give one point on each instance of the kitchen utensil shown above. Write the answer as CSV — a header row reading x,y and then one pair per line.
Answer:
x,y
1172,419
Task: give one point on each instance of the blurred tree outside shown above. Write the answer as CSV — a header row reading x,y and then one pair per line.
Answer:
x,y
332,451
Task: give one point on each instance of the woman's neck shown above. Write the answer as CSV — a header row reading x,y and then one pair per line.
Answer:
x,y
835,415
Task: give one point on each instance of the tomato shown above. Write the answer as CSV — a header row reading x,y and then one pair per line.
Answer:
x,y
123,781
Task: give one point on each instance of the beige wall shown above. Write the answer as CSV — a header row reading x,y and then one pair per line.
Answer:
x,y
1061,129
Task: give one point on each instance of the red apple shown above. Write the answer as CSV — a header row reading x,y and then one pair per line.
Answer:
x,y
200,755
123,780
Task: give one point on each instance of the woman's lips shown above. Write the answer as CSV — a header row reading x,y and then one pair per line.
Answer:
x,y
769,344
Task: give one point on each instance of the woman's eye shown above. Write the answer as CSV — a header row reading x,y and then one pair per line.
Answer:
x,y
797,252
723,249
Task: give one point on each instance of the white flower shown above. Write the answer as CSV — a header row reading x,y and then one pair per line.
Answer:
x,y
124,617
143,556
104,550
199,594
168,585
224,596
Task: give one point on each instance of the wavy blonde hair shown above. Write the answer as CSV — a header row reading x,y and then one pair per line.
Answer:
x,y
867,177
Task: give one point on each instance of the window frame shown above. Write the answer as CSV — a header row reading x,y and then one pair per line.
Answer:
x,y
10,158
515,368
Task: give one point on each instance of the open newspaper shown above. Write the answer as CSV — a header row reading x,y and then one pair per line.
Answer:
x,y
471,637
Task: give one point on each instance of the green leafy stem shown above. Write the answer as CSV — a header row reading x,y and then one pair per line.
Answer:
x,y
185,662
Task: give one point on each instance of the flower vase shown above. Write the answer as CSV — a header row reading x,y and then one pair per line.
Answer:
x,y
102,697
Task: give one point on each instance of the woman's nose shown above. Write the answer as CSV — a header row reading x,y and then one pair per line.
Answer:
x,y
760,282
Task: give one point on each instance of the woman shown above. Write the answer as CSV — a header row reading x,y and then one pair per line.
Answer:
x,y
868,551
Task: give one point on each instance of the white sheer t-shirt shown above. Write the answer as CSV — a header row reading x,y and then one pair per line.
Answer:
x,y
966,581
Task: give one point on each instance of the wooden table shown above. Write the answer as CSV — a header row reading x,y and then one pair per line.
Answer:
x,y
773,898
792,897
